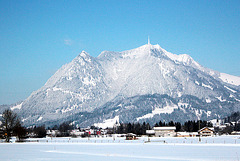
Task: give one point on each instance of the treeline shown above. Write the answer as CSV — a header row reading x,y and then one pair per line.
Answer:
x,y
234,122
234,117
136,128
40,131
140,129
171,123
63,129
37,132
194,126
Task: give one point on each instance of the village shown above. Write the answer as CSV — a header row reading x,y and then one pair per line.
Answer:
x,y
164,131
130,131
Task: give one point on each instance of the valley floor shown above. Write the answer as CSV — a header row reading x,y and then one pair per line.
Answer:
x,y
118,149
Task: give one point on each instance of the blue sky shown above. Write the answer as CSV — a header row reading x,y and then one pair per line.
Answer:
x,y
38,37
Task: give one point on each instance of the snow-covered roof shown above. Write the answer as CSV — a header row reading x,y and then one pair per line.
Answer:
x,y
187,133
165,128
131,134
212,129
150,132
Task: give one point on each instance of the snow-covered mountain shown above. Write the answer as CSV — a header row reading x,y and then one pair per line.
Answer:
x,y
143,84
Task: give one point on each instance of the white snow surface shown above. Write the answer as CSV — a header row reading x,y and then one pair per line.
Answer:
x,y
207,86
197,82
231,79
40,118
220,99
108,123
118,149
157,111
19,106
208,100
230,89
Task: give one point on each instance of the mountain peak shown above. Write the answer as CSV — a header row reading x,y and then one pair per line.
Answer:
x,y
146,82
148,47
84,54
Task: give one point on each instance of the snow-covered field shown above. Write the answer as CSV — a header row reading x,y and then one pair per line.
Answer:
x,y
115,148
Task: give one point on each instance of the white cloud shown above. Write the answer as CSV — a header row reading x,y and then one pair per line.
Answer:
x,y
68,42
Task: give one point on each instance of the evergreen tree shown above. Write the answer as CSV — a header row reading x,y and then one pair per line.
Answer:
x,y
160,123
129,128
171,123
178,126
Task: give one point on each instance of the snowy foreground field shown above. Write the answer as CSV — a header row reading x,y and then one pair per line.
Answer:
x,y
118,149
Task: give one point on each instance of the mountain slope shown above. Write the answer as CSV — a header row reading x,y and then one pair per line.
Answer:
x,y
93,87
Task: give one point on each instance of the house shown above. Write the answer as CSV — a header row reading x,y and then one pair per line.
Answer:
x,y
53,133
235,133
131,136
206,131
165,131
76,132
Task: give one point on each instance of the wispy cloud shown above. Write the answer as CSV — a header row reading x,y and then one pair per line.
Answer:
x,y
68,42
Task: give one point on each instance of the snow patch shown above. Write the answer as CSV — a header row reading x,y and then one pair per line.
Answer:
x,y
40,118
167,109
57,89
230,89
234,97
129,107
237,99
207,86
179,94
180,104
16,107
69,109
85,55
208,100
197,82
235,80
108,123
198,113
88,81
220,99
183,58
209,113
47,91
24,119
78,95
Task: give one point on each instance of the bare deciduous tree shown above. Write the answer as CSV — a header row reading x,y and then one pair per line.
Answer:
x,y
9,121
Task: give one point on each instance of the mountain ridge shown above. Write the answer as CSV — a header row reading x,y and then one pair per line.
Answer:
x,y
88,83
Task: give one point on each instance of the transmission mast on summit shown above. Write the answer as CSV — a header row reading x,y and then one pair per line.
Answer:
x,y
148,41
